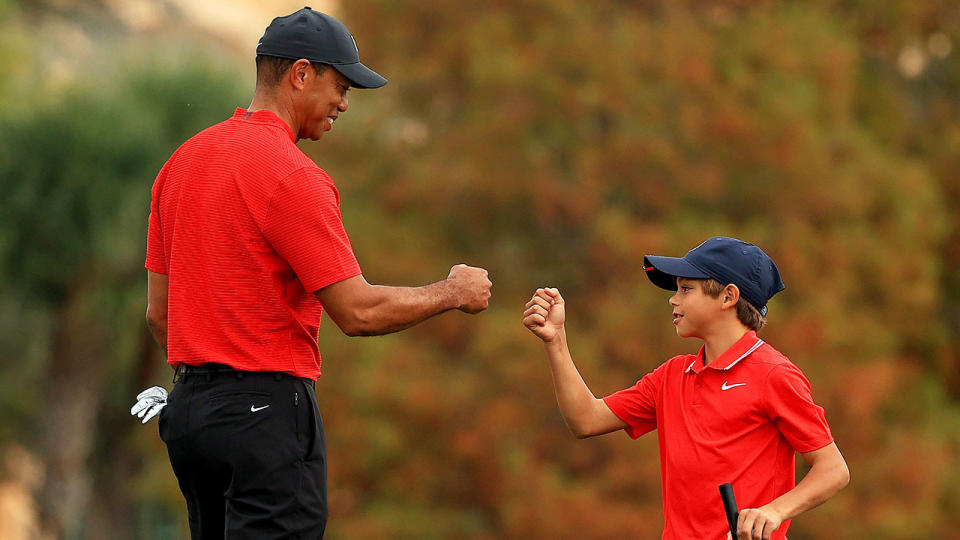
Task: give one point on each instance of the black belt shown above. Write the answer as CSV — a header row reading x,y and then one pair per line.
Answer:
x,y
182,371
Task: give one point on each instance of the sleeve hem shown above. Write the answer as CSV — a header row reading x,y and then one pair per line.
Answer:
x,y
630,430
327,281
156,269
815,444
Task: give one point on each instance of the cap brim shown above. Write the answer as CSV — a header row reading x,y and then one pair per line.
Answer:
x,y
663,271
360,76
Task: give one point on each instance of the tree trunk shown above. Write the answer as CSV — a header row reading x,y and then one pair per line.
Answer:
x,y
112,516
73,393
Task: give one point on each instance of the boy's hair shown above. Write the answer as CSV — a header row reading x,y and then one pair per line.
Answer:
x,y
746,313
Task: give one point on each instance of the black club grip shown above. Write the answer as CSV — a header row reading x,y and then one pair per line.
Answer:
x,y
729,507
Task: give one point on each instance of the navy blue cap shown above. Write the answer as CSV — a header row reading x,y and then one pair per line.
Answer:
x,y
318,37
726,260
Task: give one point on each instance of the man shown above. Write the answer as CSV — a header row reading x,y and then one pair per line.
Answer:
x,y
245,249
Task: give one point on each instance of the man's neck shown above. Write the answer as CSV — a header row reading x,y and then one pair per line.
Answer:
x,y
264,101
720,339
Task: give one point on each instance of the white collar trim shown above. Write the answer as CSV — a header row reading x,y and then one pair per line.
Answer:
x,y
735,362
746,354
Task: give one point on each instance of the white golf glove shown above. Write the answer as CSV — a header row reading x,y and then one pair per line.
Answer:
x,y
149,403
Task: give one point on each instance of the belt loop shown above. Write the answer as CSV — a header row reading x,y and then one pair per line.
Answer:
x,y
240,374
277,377
209,376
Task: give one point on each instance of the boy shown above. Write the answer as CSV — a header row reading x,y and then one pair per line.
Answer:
x,y
736,412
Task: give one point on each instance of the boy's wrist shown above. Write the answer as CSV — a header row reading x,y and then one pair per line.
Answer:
x,y
559,339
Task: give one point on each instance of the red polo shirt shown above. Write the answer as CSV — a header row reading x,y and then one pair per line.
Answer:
x,y
739,420
247,227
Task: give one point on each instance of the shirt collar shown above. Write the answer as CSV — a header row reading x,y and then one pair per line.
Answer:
x,y
731,357
263,116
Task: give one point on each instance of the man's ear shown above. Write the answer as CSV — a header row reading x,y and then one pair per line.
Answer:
x,y
299,73
730,296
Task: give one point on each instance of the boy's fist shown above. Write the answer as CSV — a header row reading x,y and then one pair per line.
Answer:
x,y
545,314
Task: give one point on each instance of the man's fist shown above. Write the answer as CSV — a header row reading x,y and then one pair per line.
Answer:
x,y
545,314
472,286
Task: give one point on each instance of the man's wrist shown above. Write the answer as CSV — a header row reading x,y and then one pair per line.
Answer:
x,y
450,296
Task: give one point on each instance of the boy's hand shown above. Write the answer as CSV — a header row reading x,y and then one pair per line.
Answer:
x,y
545,314
757,523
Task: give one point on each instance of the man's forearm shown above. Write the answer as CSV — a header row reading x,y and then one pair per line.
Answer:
x,y
159,331
392,309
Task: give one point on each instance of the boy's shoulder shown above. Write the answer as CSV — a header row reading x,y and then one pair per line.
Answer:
x,y
771,361
769,354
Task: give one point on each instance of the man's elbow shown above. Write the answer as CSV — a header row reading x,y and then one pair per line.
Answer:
x,y
156,318
357,323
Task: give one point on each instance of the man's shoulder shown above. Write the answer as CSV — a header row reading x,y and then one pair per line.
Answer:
x,y
256,146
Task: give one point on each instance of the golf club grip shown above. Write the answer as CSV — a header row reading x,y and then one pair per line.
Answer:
x,y
729,507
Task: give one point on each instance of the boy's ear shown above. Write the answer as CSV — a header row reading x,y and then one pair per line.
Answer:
x,y
730,296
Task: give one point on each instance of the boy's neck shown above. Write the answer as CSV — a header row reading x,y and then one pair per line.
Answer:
x,y
720,339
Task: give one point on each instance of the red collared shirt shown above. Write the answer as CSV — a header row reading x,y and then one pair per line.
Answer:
x,y
739,420
246,227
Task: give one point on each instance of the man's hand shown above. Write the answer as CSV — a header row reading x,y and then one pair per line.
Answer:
x,y
757,523
472,286
149,403
545,314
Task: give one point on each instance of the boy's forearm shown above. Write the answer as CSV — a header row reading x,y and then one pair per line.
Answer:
x,y
574,398
824,479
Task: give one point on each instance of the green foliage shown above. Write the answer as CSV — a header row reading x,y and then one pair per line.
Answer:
x,y
76,169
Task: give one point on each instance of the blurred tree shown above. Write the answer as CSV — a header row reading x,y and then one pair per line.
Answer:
x,y
554,143
557,144
75,193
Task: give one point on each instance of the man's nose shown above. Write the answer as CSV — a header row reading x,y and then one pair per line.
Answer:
x,y
344,103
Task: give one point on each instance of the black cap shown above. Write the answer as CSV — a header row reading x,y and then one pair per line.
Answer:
x,y
318,37
726,260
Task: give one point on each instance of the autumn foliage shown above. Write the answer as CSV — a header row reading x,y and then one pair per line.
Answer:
x,y
555,144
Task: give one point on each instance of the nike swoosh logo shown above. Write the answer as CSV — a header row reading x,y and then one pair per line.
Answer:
x,y
255,409
729,386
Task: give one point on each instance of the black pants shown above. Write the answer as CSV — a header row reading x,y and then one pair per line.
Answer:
x,y
249,453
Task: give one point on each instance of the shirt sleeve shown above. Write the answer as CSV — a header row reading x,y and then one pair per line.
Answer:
x,y
304,226
637,405
790,404
156,254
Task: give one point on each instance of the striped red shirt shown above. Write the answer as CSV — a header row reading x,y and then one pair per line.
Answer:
x,y
247,227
